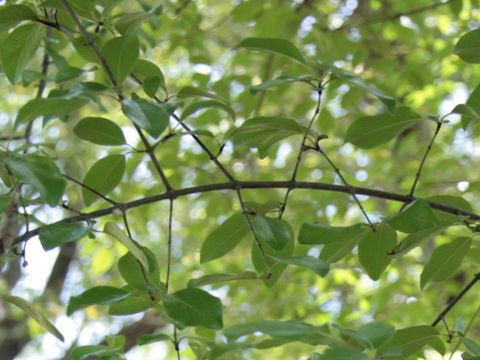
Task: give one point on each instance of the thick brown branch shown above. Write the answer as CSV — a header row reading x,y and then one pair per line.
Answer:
x,y
253,185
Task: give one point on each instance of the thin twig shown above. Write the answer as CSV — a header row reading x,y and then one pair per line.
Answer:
x,y
422,163
456,299
457,345
106,198
266,75
252,185
344,181
300,152
169,250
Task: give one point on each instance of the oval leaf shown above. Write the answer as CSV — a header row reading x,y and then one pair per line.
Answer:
x,y
55,235
18,49
207,104
144,69
190,91
271,231
121,54
99,131
98,295
41,173
49,108
278,81
412,339
12,14
468,47
132,273
151,117
224,239
273,45
83,352
103,177
374,248
445,260
375,334
417,216
112,229
319,233
370,131
31,311
194,307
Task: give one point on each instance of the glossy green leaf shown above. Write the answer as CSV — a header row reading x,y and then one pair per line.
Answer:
x,y
121,54
468,114
278,81
113,229
455,201
49,108
271,231
468,47
128,22
375,334
224,239
370,131
207,104
83,352
103,177
315,264
220,278
57,234
145,69
194,307
132,273
133,304
273,45
411,339
343,353
10,15
18,49
41,173
374,248
415,239
319,233
85,50
99,131
417,216
148,339
291,329
445,261
98,295
190,91
34,313
151,117
264,132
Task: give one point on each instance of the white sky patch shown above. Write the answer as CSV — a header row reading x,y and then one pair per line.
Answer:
x,y
130,134
361,175
407,22
458,96
306,26
283,151
330,210
463,185
202,69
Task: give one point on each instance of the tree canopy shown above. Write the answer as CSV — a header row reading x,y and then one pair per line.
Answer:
x,y
239,179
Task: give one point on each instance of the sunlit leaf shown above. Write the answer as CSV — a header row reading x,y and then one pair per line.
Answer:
x,y
273,45
49,108
121,54
417,216
468,47
98,295
411,339
10,15
99,131
148,339
83,352
220,278
320,233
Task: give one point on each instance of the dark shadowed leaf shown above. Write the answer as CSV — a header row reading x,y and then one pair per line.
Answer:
x,y
315,264
103,177
194,307
468,47
273,45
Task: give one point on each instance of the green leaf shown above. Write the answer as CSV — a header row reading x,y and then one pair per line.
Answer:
x,y
133,304
207,104
132,273
220,278
370,131
57,234
41,173
121,54
103,177
98,295
10,15
318,265
18,49
473,102
278,81
374,248
112,229
4,202
224,239
67,73
273,232
145,69
151,85
415,239
375,334
290,329
417,216
263,132
129,22
343,353
333,252
83,352
49,108
273,45
460,326
455,201
85,50
445,260
151,117
194,307
471,345
467,113
99,131
319,233
468,47
148,339
190,91
412,339
35,314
